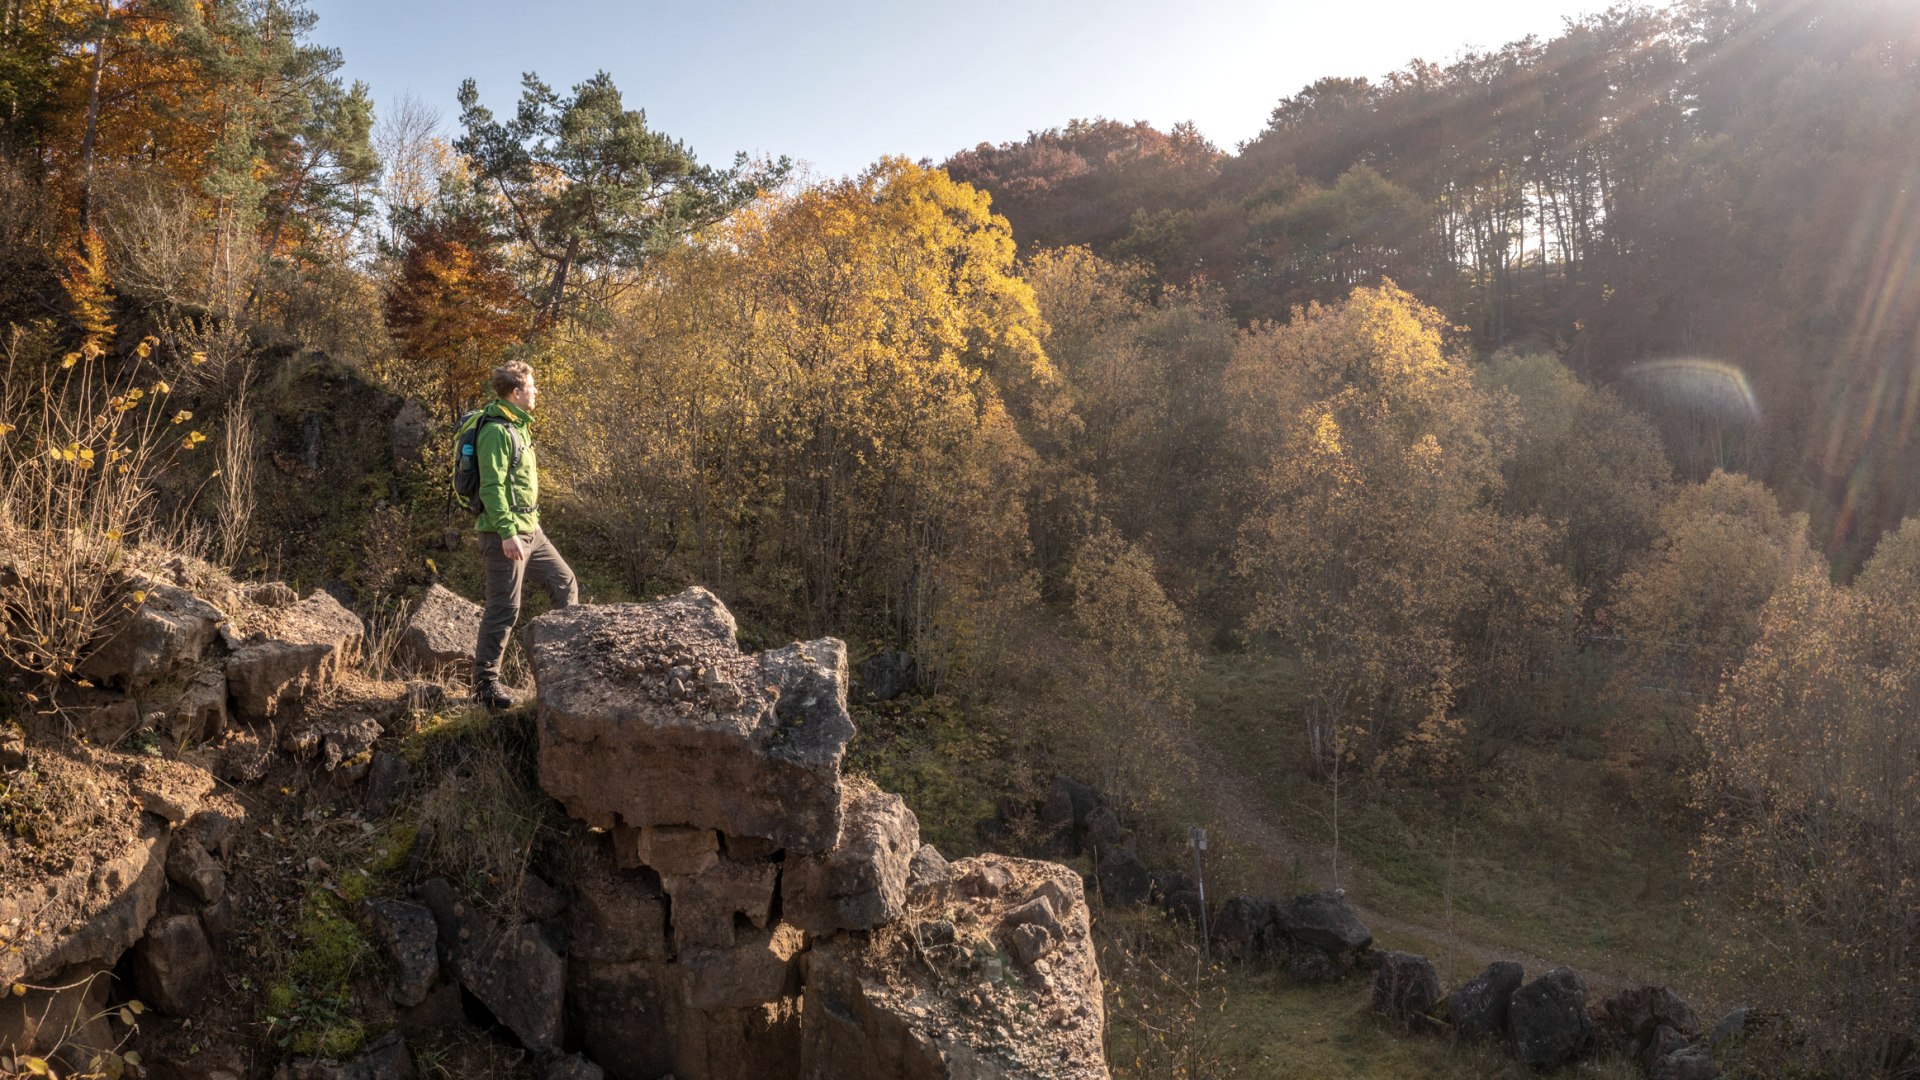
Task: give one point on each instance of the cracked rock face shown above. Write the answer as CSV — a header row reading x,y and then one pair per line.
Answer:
x,y
651,716
316,638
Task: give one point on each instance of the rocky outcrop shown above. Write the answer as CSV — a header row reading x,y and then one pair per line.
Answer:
x,y
305,651
660,697
441,631
750,914
87,916
168,629
862,882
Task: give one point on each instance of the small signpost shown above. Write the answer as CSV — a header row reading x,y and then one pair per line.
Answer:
x,y
1197,840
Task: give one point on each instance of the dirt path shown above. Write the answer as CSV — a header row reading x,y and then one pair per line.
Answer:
x,y
1248,819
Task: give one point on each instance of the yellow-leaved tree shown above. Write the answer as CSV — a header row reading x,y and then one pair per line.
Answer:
x,y
1684,615
1376,548
1809,784
816,393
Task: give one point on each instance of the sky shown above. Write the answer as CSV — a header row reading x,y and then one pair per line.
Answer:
x,y
839,85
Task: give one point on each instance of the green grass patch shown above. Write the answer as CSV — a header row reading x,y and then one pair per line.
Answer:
x,y
311,1007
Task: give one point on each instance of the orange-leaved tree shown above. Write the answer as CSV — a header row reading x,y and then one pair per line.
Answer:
x,y
452,307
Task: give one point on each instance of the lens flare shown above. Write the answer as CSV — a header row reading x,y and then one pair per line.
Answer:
x,y
1709,386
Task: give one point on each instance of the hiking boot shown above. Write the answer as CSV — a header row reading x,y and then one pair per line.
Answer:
x,y
490,696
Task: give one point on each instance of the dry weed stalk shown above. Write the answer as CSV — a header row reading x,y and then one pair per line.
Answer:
x,y
81,442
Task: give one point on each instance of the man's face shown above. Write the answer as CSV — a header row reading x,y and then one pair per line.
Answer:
x,y
524,397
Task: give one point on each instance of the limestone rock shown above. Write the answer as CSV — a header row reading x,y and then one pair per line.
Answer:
x,y
95,911
1124,880
104,717
387,778
1549,1019
407,935
707,906
169,629
1405,987
190,867
860,1024
13,750
862,882
198,711
334,741
1629,1021
442,630
616,916
759,968
173,965
929,875
752,1043
667,849
170,789
1478,1007
511,968
270,594
659,698
315,638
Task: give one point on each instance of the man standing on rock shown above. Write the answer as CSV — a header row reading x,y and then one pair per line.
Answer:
x,y
511,542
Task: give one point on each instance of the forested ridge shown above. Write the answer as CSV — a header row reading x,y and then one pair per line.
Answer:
x,y
1517,445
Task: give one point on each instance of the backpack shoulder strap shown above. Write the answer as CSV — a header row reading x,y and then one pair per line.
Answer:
x,y
513,437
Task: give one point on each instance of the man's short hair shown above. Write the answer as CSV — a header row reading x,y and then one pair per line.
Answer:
x,y
511,376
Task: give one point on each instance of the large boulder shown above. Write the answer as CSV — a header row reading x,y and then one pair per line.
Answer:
x,y
168,629
887,675
1549,1019
865,1018
408,938
442,630
1405,988
650,715
511,968
93,912
1477,1008
1631,1020
311,642
1325,923
862,882
173,965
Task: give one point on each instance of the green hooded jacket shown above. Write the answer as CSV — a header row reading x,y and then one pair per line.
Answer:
x,y
512,502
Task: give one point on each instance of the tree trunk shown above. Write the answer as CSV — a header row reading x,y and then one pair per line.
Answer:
x,y
91,138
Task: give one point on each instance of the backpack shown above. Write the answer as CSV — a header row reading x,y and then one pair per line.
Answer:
x,y
466,466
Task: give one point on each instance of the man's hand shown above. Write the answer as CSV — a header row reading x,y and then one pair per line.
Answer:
x,y
513,547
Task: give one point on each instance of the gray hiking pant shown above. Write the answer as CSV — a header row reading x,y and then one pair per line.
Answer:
x,y
504,578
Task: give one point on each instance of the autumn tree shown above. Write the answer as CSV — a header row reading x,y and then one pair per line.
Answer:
x,y
1376,547
1584,461
1810,787
589,188
816,397
1689,607
452,307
